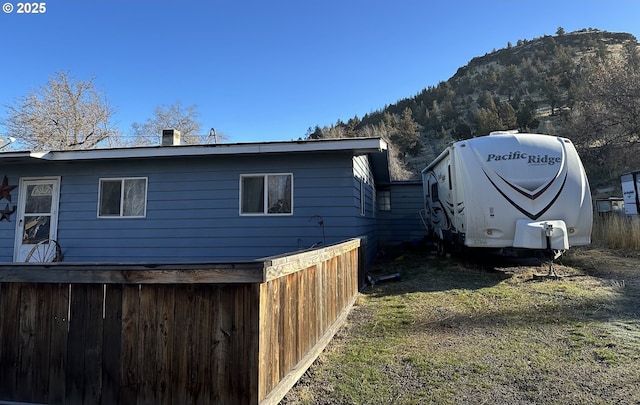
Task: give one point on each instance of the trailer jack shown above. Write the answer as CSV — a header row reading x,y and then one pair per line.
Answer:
x,y
548,232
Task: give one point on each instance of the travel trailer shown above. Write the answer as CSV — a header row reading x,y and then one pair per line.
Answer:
x,y
630,183
510,192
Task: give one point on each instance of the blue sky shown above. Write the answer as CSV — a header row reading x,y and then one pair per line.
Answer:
x,y
269,70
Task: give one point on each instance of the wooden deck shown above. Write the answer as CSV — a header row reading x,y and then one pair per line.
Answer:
x,y
236,333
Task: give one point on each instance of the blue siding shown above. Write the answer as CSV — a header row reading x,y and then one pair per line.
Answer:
x,y
365,224
193,208
402,224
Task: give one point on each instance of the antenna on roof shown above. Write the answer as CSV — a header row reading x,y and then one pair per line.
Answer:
x,y
6,141
212,134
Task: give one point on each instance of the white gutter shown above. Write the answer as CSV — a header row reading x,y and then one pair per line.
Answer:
x,y
39,155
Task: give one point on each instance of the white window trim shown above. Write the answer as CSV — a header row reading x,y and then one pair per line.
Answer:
x,y
122,179
265,209
363,196
374,200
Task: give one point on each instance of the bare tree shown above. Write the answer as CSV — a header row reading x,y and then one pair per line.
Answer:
x,y
63,114
175,116
605,118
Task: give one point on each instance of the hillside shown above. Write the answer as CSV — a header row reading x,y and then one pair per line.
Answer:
x,y
541,85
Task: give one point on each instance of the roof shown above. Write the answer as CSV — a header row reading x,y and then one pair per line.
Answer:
x,y
375,148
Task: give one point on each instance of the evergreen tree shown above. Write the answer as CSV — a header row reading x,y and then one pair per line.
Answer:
x,y
461,131
487,120
510,81
551,89
407,136
352,126
508,116
526,115
485,100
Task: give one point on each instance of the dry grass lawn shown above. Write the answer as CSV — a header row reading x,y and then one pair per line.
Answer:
x,y
455,331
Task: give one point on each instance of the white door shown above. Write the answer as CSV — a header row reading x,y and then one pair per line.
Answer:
x,y
37,219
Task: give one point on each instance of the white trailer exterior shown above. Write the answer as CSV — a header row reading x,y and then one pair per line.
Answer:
x,y
630,183
508,191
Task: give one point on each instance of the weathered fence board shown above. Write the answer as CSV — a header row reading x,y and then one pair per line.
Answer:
x,y
10,301
240,334
112,344
58,342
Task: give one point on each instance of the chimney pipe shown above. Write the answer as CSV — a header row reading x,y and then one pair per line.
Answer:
x,y
170,137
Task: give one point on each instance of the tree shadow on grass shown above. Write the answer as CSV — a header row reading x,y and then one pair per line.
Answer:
x,y
424,272
421,271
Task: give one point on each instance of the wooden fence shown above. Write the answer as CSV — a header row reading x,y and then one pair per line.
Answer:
x,y
238,333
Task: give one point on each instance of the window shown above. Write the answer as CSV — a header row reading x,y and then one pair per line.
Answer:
x,y
122,198
434,192
384,200
266,194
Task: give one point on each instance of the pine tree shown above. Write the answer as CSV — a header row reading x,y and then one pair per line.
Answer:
x,y
407,136
508,116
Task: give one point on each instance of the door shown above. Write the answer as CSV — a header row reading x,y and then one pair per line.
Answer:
x,y
37,219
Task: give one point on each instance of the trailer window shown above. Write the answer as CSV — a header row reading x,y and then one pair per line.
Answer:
x,y
449,175
434,192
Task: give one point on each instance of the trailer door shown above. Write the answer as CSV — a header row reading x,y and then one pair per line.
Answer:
x,y
630,187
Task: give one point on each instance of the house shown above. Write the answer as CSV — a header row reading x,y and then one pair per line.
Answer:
x,y
398,218
191,203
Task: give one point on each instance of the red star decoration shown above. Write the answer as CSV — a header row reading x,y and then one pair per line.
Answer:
x,y
5,189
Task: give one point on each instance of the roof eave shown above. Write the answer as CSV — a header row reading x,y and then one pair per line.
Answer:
x,y
357,145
